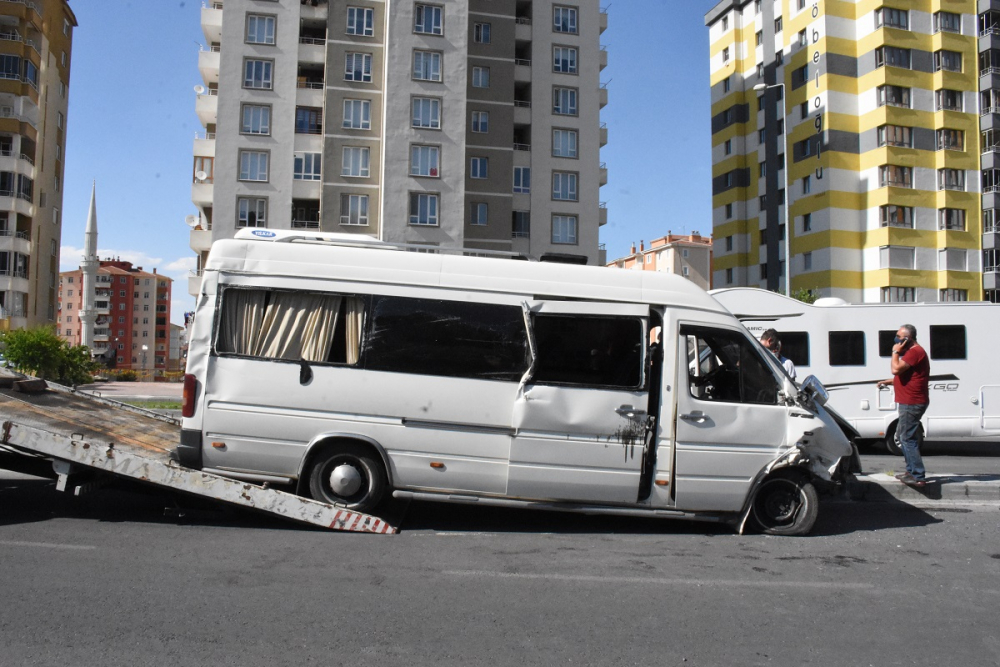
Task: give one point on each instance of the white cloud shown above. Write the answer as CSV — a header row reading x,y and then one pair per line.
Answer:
x,y
70,257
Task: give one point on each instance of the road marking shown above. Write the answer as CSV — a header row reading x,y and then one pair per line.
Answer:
x,y
46,545
723,583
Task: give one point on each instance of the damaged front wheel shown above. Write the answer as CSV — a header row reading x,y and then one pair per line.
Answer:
x,y
786,505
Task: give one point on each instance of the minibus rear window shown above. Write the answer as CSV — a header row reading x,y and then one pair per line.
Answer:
x,y
948,341
446,338
588,351
847,348
795,346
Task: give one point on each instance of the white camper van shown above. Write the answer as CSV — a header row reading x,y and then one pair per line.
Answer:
x,y
848,346
356,369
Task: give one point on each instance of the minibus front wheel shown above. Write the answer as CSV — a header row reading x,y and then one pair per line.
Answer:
x,y
349,475
786,503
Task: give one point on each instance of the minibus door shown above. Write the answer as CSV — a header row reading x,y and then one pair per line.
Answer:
x,y
990,408
579,417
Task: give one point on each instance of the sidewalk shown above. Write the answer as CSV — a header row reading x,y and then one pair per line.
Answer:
x,y
880,487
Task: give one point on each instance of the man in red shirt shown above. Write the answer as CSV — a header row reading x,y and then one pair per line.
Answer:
x,y
911,370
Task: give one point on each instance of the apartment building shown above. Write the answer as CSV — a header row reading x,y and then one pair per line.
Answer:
x,y
688,255
36,40
133,328
470,124
989,125
864,118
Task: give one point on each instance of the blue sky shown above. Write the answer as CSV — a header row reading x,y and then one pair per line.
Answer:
x,y
131,125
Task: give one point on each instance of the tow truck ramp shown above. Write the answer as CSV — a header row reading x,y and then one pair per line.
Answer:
x,y
96,434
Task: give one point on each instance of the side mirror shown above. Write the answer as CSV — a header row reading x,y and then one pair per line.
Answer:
x,y
814,390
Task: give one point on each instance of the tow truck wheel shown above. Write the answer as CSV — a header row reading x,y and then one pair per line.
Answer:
x,y
347,475
786,505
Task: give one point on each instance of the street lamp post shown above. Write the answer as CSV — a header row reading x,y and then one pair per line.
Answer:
x,y
788,193
145,348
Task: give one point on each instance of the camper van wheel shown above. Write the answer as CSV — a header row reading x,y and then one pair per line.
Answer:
x,y
892,443
786,504
348,475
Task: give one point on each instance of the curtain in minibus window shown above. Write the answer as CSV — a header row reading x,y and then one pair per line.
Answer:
x,y
291,325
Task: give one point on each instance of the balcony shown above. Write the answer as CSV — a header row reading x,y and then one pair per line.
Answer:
x,y
604,134
314,10
207,107
991,279
603,94
604,19
522,29
602,213
312,51
201,240
604,173
201,193
15,241
204,144
604,57
522,70
211,22
194,282
208,65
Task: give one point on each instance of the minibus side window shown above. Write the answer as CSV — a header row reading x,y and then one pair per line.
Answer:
x,y
589,351
847,348
446,338
795,346
948,341
291,326
725,366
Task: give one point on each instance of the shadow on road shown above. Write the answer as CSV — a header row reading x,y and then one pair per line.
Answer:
x,y
843,517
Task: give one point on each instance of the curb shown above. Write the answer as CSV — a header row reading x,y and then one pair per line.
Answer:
x,y
879,487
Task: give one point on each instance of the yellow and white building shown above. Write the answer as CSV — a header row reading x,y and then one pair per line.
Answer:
x,y
874,107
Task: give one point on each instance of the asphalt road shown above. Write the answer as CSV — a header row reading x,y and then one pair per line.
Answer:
x,y
107,579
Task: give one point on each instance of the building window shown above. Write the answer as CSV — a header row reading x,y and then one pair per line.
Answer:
x,y
427,112
891,215
357,115
947,22
564,229
895,176
725,23
895,135
522,180
480,77
729,243
891,18
361,21
807,222
564,59
564,186
779,58
806,185
727,147
760,70
260,29
729,211
423,208
355,162
354,210
358,67
253,166
564,19
257,74
256,119
308,120
949,61
952,140
803,37
951,179
521,225
424,161
758,38
481,121
729,276
948,100
479,168
564,143
951,218
428,19
896,257
953,295
898,295
807,261
892,56
480,214
761,135
894,96
308,166
726,85
481,33
777,24
564,101
427,66
761,170
250,212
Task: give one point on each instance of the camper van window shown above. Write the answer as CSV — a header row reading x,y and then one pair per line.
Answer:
x,y
291,326
795,346
847,348
447,338
948,341
886,339
725,366
589,351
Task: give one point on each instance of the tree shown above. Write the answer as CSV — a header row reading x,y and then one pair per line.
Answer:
x,y
40,352
805,295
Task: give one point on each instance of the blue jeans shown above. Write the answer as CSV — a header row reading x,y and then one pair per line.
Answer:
x,y
906,433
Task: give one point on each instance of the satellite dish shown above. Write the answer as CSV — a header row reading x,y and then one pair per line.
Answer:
x,y
200,175
191,220
199,89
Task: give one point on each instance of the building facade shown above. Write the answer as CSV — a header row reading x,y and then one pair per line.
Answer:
x,y
133,328
874,108
688,255
35,45
471,124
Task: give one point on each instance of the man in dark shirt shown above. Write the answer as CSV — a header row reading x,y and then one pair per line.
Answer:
x,y
910,370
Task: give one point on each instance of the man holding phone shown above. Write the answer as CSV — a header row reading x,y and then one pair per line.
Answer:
x,y
910,370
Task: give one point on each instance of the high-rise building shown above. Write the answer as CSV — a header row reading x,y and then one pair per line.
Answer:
x,y
36,40
875,111
471,124
132,328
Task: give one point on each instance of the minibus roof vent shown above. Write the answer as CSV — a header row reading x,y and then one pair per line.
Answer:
x,y
830,301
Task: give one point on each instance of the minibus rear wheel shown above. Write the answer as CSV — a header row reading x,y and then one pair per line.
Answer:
x,y
786,504
349,475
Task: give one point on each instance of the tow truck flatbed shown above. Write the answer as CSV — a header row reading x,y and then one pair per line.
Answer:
x,y
76,431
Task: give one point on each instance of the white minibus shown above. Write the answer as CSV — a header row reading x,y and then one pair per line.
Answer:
x,y
848,346
355,369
